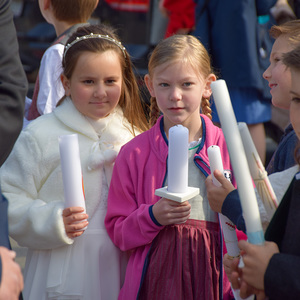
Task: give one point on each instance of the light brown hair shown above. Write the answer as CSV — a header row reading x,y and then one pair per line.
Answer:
x,y
129,101
185,48
73,11
290,29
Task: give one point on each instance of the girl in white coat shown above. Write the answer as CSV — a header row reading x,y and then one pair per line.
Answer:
x,y
102,106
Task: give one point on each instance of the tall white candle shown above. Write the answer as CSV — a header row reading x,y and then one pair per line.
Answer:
x,y
250,150
228,228
238,161
257,171
178,159
71,171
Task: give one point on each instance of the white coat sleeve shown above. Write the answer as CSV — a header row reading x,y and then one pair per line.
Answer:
x,y
33,222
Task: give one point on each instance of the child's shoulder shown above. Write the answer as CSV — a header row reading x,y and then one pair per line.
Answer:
x,y
139,141
42,126
54,52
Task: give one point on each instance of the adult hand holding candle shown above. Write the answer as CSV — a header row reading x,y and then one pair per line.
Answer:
x,y
177,188
238,161
71,171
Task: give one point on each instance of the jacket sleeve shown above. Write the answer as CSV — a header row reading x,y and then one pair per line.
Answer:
x,y
282,277
128,220
51,89
13,83
33,222
232,209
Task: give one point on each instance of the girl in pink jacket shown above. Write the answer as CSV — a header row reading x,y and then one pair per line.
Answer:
x,y
176,248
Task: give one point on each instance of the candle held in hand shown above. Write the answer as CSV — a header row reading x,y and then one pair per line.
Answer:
x,y
71,171
178,189
178,159
238,161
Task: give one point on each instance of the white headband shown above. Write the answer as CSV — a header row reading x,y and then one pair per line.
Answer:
x,y
95,36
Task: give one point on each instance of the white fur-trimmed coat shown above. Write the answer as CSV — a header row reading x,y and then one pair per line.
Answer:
x,y
31,178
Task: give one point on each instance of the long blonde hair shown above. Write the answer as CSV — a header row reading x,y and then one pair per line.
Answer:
x,y
185,48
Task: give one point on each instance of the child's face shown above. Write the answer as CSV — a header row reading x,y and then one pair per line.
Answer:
x,y
96,83
178,89
278,75
295,101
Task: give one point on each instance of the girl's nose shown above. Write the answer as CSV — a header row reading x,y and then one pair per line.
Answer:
x,y
99,91
175,94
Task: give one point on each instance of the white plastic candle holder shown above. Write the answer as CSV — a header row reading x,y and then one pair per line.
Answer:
x,y
179,197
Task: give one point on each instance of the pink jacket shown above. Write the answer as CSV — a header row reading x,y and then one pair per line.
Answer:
x,y
139,170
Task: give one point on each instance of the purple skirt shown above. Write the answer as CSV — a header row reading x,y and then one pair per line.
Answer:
x,y
184,263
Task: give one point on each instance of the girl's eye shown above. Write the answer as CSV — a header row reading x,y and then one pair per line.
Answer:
x,y
296,99
277,58
110,81
163,84
88,81
187,84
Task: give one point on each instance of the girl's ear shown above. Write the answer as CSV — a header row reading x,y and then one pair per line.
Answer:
x,y
66,84
149,84
207,89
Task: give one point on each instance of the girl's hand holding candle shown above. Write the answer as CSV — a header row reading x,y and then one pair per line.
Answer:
x,y
74,216
71,171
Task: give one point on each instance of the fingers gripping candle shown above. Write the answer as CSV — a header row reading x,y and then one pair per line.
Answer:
x,y
178,189
71,171
238,161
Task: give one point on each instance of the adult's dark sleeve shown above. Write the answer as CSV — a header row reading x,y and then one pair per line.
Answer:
x,y
13,83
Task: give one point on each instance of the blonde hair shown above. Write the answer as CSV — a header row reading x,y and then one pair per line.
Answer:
x,y
290,29
73,11
129,101
183,48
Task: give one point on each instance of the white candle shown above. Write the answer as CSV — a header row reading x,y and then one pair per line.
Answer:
x,y
250,150
238,161
258,172
178,159
71,171
228,228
